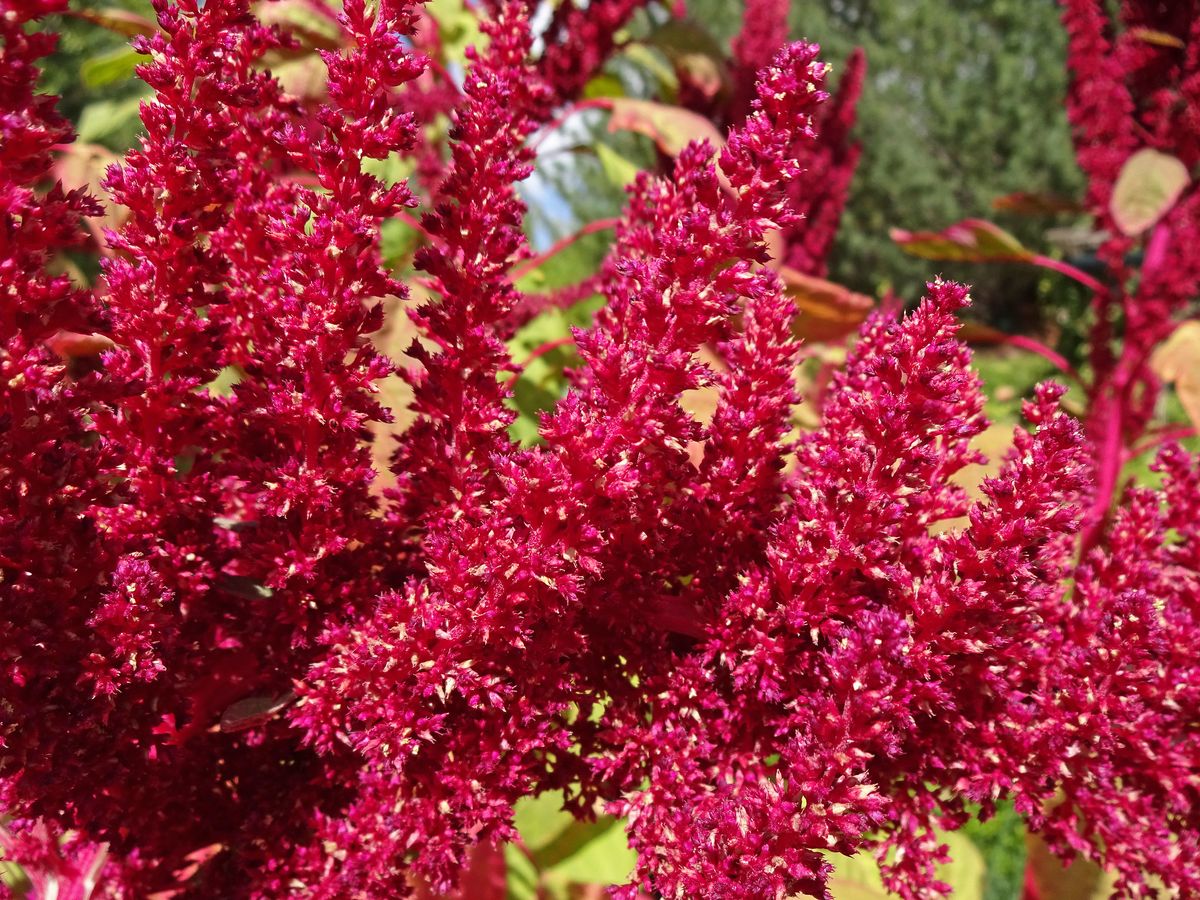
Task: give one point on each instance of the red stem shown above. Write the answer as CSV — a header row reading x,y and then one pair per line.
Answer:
x,y
562,244
1064,268
539,351
1162,436
1057,359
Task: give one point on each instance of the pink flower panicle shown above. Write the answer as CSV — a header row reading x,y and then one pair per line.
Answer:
x,y
838,640
764,32
1129,689
1131,92
501,640
819,195
44,478
578,40
476,226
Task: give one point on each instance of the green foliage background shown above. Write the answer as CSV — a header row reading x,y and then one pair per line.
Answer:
x,y
963,104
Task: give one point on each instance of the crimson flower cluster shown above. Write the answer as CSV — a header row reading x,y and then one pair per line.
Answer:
x,y
1135,85
818,196
234,667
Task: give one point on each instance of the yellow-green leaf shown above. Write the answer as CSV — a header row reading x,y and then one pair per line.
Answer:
x,y
1148,186
541,819
617,168
106,68
857,877
1177,362
588,853
849,889
1158,38
458,28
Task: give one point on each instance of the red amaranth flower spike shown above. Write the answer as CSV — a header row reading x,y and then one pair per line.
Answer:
x,y
476,228
819,195
46,475
578,40
1130,94
233,670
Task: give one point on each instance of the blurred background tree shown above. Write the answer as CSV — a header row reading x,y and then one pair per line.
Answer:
x,y
963,104
92,71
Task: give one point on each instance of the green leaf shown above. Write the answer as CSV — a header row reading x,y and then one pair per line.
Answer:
x,y
541,819
857,877
112,123
14,878
561,851
542,381
392,170
398,241
965,871
617,168
603,85
696,55
682,36
656,64
107,68
458,28
1001,839
223,384
599,853
843,888
522,874
1148,186
971,240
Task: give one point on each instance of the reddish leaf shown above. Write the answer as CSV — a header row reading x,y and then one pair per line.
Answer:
x,y
670,127
486,875
1031,204
119,20
73,345
1047,878
825,311
971,240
